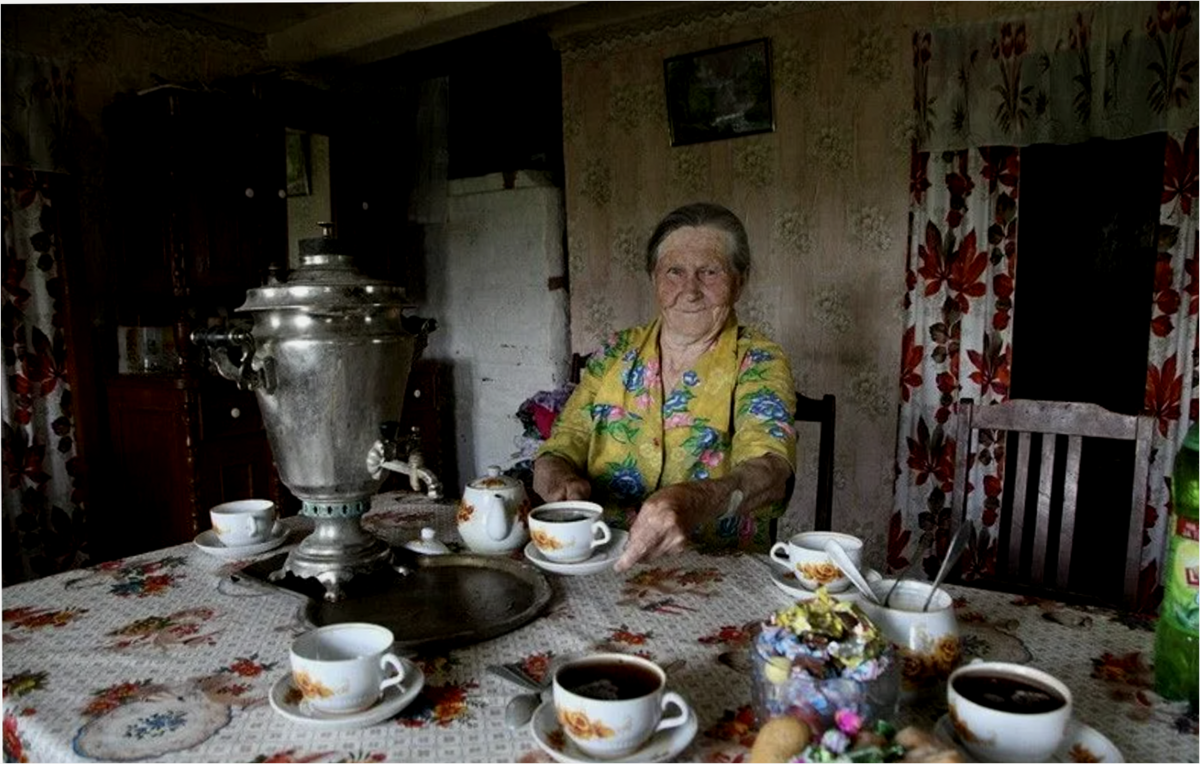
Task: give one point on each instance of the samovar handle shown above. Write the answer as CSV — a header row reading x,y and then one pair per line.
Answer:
x,y
217,341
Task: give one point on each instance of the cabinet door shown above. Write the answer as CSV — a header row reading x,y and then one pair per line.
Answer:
x,y
151,483
234,199
234,460
199,212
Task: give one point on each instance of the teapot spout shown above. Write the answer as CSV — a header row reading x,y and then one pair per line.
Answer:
x,y
498,520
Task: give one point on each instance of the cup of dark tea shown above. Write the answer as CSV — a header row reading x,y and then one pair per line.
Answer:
x,y
568,531
1007,711
610,704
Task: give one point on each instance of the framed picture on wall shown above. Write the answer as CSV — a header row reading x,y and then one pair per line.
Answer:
x,y
719,93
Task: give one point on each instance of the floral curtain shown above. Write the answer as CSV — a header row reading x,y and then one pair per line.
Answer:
x,y
44,518
1061,76
981,92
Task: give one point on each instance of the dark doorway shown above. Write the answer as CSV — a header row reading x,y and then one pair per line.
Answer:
x,y
1081,316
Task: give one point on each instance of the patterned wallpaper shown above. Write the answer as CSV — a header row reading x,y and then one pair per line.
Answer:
x,y
824,197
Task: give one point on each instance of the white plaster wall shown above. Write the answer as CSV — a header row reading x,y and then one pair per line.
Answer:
x,y
501,327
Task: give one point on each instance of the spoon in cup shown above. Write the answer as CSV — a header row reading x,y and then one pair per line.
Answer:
x,y
957,544
843,561
922,547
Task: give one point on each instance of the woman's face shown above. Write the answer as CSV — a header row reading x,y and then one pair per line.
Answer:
x,y
694,284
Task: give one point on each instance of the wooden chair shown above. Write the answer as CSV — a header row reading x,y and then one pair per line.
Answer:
x,y
822,410
1051,422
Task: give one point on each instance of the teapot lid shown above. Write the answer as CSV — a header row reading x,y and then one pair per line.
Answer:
x,y
327,280
494,481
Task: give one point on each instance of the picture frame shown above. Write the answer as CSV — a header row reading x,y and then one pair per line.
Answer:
x,y
299,170
720,93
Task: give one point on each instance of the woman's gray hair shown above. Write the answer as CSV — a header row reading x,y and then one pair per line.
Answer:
x,y
708,215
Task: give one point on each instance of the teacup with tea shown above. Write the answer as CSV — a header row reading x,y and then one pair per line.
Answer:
x,y
1008,711
568,531
243,522
611,704
344,668
804,554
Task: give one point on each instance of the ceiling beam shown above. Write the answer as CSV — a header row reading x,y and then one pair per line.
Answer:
x,y
362,33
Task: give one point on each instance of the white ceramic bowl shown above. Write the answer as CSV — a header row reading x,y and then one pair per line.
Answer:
x,y
926,641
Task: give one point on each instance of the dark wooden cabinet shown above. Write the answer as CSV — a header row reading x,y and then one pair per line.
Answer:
x,y
180,446
197,215
197,199
427,406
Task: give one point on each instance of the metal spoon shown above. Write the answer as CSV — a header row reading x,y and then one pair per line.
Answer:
x,y
957,544
843,561
512,675
922,547
520,710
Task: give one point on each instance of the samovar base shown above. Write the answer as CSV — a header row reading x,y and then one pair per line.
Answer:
x,y
338,549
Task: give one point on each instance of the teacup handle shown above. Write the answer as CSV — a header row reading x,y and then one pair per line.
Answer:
x,y
605,534
262,525
669,722
387,659
786,560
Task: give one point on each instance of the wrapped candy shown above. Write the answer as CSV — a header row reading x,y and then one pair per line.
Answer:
x,y
820,660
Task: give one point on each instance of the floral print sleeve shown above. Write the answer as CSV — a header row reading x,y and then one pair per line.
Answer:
x,y
764,401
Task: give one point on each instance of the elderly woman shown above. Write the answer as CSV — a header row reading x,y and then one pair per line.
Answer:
x,y
682,428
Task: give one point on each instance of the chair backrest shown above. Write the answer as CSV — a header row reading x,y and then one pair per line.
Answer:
x,y
1049,422
823,411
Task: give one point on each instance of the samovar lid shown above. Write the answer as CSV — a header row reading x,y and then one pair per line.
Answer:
x,y
327,280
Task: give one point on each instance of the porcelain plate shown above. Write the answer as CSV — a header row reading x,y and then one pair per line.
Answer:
x,y
604,557
285,699
1081,742
786,581
208,542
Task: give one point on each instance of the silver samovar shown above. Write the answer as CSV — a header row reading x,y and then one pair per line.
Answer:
x,y
329,357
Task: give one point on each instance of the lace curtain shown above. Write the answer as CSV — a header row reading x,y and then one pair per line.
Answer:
x,y
981,92
44,518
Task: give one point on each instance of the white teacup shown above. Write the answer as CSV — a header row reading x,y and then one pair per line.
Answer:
x,y
1007,711
926,640
610,704
568,531
341,669
806,557
242,522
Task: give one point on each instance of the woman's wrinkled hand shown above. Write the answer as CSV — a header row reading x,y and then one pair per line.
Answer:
x,y
664,522
555,480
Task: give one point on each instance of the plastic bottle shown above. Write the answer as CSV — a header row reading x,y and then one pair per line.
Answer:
x,y
1177,636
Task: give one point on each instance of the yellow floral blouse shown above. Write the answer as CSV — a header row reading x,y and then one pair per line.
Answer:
x,y
736,404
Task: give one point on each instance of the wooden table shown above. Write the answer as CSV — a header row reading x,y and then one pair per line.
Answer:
x,y
171,656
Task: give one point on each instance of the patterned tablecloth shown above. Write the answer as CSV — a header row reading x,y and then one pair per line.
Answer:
x,y
169,656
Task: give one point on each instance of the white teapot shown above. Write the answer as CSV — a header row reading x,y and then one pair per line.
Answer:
x,y
493,516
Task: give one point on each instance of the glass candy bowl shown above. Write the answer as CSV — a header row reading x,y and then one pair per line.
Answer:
x,y
821,657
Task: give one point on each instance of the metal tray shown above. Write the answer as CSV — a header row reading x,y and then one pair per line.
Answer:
x,y
449,599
